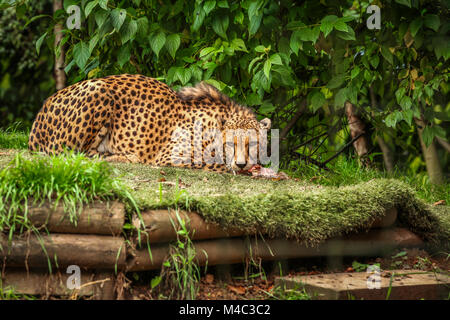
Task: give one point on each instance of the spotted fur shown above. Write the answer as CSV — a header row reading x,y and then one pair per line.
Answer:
x,y
132,118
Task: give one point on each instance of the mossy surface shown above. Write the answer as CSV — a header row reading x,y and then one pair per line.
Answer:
x,y
293,209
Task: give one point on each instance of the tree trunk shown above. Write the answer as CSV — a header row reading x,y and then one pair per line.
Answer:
x,y
431,157
388,156
59,74
357,127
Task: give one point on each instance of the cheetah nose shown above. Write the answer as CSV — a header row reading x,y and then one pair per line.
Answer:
x,y
241,165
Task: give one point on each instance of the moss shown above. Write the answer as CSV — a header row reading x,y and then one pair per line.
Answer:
x,y
294,209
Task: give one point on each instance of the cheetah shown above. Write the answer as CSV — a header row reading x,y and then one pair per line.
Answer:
x,y
134,118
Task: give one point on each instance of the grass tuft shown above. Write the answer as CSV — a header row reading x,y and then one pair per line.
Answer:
x,y
13,138
69,178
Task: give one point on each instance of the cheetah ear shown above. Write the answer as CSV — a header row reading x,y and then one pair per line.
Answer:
x,y
265,124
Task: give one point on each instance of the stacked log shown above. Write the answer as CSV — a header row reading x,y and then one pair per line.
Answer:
x,y
36,264
97,245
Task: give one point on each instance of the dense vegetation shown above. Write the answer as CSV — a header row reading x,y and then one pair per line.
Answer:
x,y
299,63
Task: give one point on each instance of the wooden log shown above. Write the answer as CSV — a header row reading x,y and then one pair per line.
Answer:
x,y
86,251
95,218
96,284
235,250
159,227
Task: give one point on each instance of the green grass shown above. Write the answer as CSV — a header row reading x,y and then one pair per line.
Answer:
x,y
180,271
13,138
70,179
348,172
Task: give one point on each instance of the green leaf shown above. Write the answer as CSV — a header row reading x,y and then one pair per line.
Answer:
x,y
267,66
157,280
206,51
209,6
349,35
173,43
184,75
199,16
142,25
157,42
239,17
220,25
386,53
253,62
223,4
432,21
374,61
253,100
391,120
260,49
428,135
267,107
69,66
128,31
327,23
403,74
238,45
255,22
39,42
81,54
93,42
21,9
352,94
355,72
408,116
103,4
415,26
36,18
100,17
123,55
336,82
317,100
118,17
88,8
405,102
341,26
295,42
340,98
276,59
404,2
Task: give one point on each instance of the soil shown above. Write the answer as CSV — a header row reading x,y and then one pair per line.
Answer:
x,y
238,282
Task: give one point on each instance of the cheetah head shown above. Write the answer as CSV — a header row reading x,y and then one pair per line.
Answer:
x,y
241,139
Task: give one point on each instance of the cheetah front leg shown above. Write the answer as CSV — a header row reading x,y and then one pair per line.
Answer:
x,y
124,158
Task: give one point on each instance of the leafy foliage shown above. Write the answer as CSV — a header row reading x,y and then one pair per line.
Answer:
x,y
25,75
271,55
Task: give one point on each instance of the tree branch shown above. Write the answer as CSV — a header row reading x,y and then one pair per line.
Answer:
x,y
293,120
